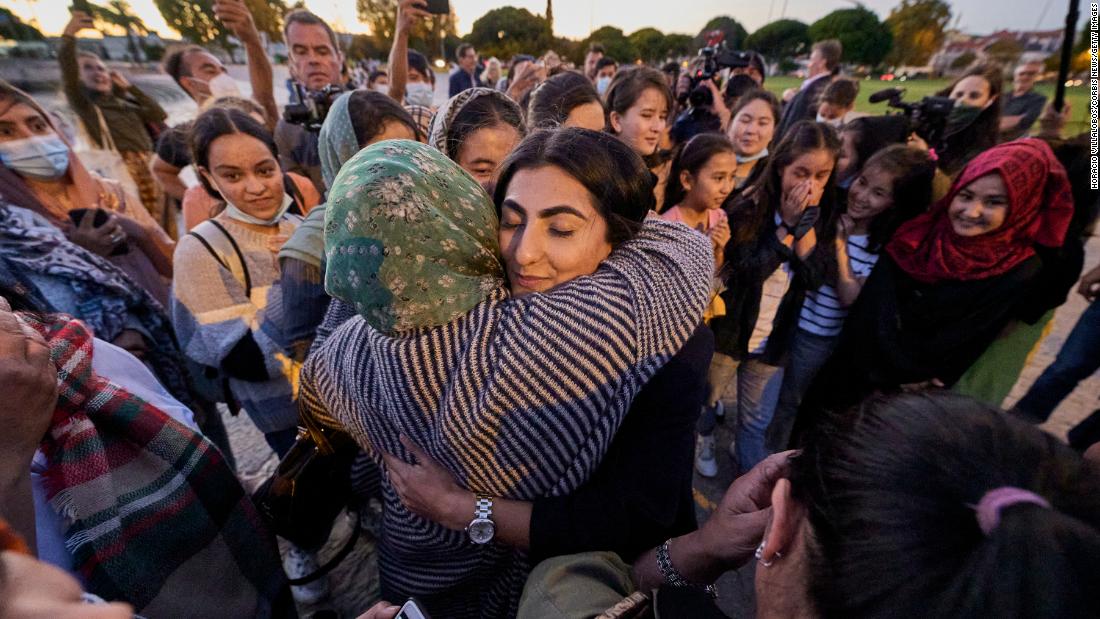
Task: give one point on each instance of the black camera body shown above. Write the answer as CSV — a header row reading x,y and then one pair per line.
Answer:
x,y
311,108
927,117
715,58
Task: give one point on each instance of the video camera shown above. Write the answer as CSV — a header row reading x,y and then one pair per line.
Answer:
x,y
311,108
927,117
716,56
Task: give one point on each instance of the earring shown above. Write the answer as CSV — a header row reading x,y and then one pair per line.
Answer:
x,y
760,555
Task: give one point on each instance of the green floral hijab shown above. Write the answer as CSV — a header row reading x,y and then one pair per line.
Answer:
x,y
410,238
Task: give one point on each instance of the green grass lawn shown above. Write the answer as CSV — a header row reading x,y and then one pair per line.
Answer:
x,y
915,89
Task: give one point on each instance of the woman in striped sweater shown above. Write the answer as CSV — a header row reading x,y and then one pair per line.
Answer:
x,y
515,397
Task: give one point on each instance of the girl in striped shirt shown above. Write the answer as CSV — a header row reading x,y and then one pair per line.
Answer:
x,y
894,186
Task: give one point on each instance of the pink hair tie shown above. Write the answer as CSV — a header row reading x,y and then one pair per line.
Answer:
x,y
932,155
989,508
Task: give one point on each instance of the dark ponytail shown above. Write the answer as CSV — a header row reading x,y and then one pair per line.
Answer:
x,y
890,490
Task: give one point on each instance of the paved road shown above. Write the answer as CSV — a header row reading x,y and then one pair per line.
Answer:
x,y
354,584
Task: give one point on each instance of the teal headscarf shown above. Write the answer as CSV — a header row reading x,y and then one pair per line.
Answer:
x,y
336,143
410,237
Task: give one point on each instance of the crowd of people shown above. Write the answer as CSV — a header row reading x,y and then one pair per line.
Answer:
x,y
509,323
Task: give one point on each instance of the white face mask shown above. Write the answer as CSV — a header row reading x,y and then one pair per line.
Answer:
x,y
236,213
748,158
223,86
419,93
382,88
836,123
42,157
602,84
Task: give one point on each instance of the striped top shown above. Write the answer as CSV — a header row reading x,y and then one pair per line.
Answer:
x,y
822,313
519,398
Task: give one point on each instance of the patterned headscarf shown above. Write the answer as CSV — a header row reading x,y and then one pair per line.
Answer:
x,y
445,116
410,238
1040,207
336,142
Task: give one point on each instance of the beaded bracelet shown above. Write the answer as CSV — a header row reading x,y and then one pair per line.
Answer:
x,y
675,578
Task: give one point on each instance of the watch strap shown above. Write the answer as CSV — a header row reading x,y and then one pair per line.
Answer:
x,y
483,507
672,576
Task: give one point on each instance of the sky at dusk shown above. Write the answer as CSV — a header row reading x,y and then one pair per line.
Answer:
x,y
576,18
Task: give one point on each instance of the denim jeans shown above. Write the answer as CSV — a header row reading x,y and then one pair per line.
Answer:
x,y
1078,359
757,393
808,353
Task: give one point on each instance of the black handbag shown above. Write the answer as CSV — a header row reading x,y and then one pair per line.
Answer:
x,y
310,487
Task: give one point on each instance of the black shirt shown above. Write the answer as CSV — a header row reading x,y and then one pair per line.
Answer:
x,y
1029,105
640,495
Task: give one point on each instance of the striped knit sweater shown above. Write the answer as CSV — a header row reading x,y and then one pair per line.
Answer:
x,y
211,314
518,398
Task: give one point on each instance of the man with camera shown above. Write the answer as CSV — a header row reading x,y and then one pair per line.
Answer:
x,y
315,68
824,64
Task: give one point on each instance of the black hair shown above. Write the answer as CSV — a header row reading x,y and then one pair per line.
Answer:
x,y
175,66
691,157
870,134
606,61
217,122
628,85
616,176
369,112
419,62
595,48
890,491
462,49
840,92
957,148
913,170
553,100
373,76
671,68
308,18
757,94
803,137
736,87
480,113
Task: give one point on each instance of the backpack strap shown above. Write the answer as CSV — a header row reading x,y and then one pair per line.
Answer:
x,y
217,240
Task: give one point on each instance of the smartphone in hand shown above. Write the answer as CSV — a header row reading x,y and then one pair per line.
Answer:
x,y
412,610
438,7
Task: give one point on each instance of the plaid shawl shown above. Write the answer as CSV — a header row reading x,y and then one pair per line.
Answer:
x,y
154,514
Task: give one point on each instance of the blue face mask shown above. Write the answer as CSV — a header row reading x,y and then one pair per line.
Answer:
x,y
42,157
602,84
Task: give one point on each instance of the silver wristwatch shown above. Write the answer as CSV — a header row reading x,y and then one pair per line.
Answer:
x,y
481,529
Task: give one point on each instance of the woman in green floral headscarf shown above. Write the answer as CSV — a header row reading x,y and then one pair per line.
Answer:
x,y
442,357
355,120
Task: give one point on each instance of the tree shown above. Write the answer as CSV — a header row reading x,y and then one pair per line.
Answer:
x,y
614,42
678,45
963,61
919,28
118,13
649,44
381,15
865,39
11,27
507,31
195,21
734,31
780,39
1004,51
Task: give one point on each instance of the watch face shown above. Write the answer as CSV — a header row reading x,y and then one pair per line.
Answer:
x,y
481,530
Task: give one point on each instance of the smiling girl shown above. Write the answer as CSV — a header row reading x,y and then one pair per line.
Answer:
x,y
951,278
894,186
228,270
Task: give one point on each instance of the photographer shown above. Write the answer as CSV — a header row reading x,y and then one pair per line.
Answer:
x,y
315,65
204,78
824,63
412,81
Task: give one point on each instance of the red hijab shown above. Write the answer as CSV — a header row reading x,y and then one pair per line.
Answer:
x,y
1040,206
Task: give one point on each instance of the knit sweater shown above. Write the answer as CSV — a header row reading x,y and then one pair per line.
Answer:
x,y
519,398
212,315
